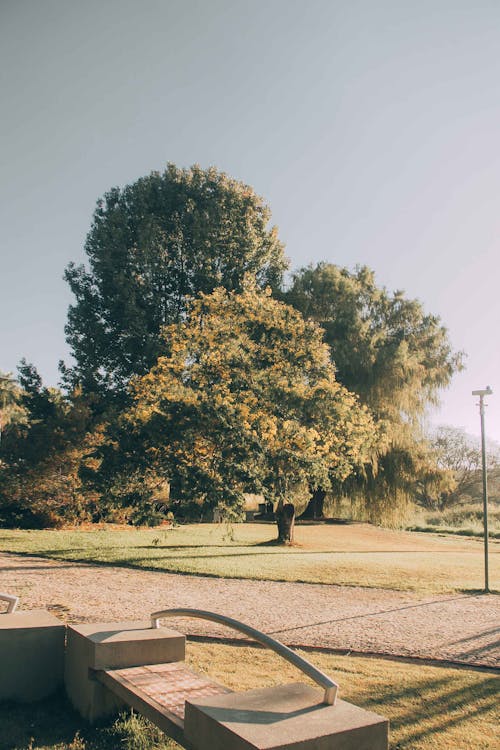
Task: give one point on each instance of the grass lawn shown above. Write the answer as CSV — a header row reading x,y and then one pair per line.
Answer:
x,y
352,555
465,519
429,707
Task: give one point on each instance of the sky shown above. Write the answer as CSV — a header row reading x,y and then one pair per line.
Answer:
x,y
372,129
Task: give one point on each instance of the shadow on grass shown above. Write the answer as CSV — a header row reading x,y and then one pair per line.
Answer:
x,y
272,545
49,722
83,556
53,724
421,712
438,708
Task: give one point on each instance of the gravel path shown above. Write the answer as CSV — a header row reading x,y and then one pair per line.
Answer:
x,y
457,627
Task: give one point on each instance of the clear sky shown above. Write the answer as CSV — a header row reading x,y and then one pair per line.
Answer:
x,y
371,128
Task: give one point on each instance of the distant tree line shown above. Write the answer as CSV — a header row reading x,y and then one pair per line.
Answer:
x,y
199,375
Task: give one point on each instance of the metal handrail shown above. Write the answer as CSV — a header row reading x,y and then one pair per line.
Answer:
x,y
309,669
13,601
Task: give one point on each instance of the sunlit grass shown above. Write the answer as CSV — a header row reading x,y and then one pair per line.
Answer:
x,y
352,555
465,519
430,708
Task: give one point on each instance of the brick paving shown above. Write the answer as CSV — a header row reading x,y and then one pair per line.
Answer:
x,y
167,686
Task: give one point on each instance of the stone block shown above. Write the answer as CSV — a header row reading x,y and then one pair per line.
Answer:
x,y
289,716
112,646
31,655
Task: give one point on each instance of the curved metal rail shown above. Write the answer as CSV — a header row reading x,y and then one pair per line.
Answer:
x,y
309,669
12,602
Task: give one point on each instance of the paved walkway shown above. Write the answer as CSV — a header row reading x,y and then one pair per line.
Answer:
x,y
458,627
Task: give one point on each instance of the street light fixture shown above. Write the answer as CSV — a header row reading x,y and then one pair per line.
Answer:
x,y
482,393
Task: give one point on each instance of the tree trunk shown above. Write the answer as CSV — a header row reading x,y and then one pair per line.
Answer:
x,y
285,519
314,509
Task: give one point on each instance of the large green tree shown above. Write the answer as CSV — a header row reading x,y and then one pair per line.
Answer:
x,y
246,401
153,245
390,352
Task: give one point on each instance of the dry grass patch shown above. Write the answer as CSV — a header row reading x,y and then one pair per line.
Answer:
x,y
430,708
352,555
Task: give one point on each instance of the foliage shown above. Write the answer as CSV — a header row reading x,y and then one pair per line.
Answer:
x,y
464,519
385,347
12,412
41,457
396,358
401,473
459,454
246,401
137,733
152,246
46,494
129,491
243,396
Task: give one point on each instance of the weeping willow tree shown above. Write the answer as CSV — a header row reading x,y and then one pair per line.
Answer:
x,y
397,359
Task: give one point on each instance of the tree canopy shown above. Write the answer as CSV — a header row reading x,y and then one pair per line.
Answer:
x,y
41,455
385,347
153,245
224,383
459,454
12,412
246,401
395,357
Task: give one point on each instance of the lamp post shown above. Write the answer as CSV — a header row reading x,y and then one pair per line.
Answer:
x,y
482,393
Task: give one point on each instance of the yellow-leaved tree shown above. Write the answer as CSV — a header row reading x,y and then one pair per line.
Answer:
x,y
245,401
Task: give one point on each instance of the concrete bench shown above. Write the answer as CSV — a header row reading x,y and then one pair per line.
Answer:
x,y
116,662
141,665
